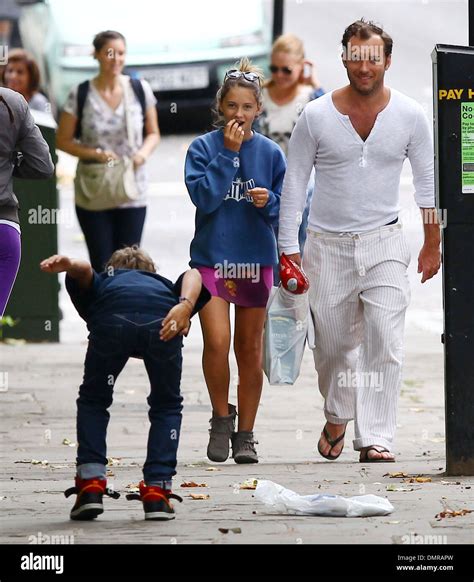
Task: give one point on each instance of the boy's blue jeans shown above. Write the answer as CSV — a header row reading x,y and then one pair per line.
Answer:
x,y
111,343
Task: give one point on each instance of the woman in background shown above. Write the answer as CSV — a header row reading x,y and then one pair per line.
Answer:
x,y
95,130
293,84
22,75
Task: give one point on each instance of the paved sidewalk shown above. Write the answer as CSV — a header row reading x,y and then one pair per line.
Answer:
x,y
38,413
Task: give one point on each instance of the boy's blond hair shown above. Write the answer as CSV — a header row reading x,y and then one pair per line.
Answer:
x,y
131,258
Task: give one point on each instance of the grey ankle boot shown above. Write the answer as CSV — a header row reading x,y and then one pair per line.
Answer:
x,y
222,428
243,449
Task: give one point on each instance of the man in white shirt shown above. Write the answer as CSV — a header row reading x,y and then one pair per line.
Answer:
x,y
356,255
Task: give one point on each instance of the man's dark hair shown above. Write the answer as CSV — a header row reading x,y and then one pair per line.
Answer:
x,y
364,29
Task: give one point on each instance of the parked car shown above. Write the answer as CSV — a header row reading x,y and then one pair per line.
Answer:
x,y
182,47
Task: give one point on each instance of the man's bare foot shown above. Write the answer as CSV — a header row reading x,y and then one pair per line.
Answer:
x,y
375,453
335,431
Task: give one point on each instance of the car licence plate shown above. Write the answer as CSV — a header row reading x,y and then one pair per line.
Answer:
x,y
169,79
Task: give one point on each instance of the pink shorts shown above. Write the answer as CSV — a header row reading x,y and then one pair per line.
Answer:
x,y
247,291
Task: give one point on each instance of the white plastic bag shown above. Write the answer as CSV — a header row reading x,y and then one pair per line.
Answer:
x,y
277,499
286,327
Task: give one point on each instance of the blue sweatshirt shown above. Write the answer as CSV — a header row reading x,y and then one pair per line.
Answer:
x,y
228,226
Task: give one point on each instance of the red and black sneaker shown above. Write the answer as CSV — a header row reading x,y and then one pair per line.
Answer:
x,y
156,501
89,497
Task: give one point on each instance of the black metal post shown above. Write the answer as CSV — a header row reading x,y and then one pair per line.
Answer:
x,y
470,20
453,93
278,14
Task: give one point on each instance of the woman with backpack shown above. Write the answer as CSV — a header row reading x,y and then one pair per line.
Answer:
x,y
110,123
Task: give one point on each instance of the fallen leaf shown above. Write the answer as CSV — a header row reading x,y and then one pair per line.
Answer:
x,y
198,496
212,469
34,462
235,530
452,513
112,461
395,475
193,484
418,480
450,482
396,488
249,484
133,487
68,443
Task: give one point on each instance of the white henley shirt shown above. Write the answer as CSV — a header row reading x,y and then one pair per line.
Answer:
x,y
356,181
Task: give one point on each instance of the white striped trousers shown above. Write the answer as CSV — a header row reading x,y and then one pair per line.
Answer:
x,y
359,293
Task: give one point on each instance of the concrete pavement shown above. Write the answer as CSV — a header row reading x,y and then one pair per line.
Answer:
x,y
38,414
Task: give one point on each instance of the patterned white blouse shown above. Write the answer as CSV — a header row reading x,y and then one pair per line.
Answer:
x,y
104,127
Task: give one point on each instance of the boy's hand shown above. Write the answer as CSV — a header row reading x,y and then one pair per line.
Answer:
x,y
56,264
177,321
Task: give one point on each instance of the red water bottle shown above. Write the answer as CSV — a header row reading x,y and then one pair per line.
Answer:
x,y
293,278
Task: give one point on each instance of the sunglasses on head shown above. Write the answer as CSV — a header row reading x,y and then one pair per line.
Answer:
x,y
235,74
286,70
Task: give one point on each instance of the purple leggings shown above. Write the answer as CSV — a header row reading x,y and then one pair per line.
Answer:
x,y
10,253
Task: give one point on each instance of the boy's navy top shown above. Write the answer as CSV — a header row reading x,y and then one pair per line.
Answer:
x,y
228,226
128,291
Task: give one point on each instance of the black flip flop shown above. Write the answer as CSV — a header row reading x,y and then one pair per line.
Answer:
x,y
379,449
332,442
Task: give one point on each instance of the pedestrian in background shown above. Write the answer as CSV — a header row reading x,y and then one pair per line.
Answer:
x,y
24,154
292,85
22,74
234,177
98,126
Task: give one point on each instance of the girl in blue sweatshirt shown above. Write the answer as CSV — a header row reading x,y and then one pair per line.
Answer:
x,y
234,177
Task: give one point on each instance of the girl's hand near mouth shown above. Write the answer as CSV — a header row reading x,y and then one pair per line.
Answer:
x,y
233,136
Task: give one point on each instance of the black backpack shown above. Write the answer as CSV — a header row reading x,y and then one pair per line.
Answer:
x,y
83,90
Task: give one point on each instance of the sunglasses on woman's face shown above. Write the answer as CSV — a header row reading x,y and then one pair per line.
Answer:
x,y
235,74
286,70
